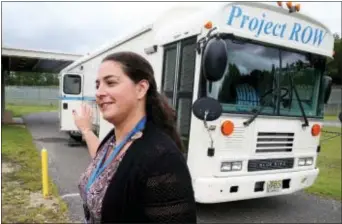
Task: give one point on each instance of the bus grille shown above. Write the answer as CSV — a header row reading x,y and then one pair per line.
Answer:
x,y
236,140
268,142
270,164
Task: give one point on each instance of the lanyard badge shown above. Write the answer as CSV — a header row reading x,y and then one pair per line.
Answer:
x,y
98,170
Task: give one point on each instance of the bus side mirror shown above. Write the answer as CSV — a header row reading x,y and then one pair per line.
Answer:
x,y
215,59
327,83
340,116
207,109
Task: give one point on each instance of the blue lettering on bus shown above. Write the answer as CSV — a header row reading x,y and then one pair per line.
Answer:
x,y
262,26
307,34
295,30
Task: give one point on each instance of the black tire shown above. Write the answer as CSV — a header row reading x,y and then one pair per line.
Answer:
x,y
75,136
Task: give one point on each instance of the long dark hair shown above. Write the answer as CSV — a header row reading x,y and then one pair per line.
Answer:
x,y
158,110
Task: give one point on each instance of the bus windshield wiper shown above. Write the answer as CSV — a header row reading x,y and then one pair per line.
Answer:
x,y
263,104
306,122
258,111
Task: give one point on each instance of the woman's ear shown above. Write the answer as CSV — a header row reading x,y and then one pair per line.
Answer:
x,y
142,88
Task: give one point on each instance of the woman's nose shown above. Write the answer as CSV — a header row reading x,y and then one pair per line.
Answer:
x,y
99,92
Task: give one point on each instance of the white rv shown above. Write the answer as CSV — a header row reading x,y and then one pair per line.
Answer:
x,y
249,86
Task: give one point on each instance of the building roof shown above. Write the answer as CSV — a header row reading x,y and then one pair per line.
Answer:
x,y
27,60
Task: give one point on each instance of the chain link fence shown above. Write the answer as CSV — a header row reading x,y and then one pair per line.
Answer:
x,y
32,95
334,105
48,95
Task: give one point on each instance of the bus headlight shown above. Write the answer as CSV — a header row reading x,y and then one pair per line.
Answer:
x,y
305,161
231,166
309,161
301,162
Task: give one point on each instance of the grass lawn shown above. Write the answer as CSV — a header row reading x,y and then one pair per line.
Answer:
x,y
331,117
22,199
328,182
21,110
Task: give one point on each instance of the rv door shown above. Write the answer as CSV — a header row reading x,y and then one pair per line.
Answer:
x,y
71,99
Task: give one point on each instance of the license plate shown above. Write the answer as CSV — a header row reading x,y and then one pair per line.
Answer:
x,y
274,186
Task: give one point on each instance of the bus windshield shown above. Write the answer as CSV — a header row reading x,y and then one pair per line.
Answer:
x,y
254,74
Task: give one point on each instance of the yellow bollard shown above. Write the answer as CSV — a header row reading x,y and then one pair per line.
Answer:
x,y
45,176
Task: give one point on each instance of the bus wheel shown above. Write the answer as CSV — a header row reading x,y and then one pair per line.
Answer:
x,y
76,136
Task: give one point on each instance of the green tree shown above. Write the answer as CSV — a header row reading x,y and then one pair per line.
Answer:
x,y
31,79
334,66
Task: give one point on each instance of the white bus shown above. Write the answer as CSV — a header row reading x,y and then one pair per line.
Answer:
x,y
248,83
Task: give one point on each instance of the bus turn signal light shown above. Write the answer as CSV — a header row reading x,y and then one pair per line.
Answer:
x,y
208,25
315,130
227,128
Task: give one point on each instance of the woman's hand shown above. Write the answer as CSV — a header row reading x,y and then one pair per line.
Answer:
x,y
83,120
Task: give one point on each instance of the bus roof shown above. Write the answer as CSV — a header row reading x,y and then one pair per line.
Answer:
x,y
103,49
251,20
263,22
166,18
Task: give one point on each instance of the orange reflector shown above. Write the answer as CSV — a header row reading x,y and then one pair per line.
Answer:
x,y
208,25
280,4
227,128
289,5
297,7
315,130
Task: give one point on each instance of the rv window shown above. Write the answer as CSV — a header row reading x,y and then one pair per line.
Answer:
x,y
72,84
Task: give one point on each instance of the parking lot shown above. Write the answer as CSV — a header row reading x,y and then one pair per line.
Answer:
x,y
66,164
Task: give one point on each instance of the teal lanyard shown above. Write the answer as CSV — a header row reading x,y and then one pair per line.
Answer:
x,y
97,172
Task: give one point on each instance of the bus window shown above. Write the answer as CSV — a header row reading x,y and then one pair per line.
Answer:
x,y
306,80
251,73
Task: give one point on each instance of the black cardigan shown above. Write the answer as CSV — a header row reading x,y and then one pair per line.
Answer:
x,y
152,183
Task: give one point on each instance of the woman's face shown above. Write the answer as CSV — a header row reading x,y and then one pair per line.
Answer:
x,y
117,95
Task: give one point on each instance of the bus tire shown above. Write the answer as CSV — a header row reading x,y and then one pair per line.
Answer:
x,y
75,136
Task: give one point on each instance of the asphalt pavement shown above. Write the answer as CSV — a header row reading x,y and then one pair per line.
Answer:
x,y
67,163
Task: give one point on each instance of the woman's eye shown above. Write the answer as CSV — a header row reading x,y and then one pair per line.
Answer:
x,y
111,83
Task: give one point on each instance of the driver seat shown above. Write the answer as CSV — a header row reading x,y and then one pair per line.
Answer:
x,y
247,95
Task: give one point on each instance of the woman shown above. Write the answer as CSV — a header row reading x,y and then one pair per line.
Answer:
x,y
138,173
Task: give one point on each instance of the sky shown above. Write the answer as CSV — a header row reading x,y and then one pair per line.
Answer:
x,y
82,27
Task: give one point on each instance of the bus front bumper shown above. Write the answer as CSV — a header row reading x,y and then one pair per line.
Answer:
x,y
224,189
